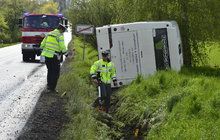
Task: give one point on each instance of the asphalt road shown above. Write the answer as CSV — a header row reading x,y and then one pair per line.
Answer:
x,y
21,85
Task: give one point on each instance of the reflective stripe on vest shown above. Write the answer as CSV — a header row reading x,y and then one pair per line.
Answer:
x,y
48,53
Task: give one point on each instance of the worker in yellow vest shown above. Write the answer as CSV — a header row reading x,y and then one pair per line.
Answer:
x,y
53,47
102,73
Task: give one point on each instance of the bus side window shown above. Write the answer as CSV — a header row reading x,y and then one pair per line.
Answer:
x,y
180,49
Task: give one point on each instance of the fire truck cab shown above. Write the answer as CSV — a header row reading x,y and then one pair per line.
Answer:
x,y
34,27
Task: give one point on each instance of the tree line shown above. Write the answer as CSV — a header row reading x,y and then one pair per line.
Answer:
x,y
199,21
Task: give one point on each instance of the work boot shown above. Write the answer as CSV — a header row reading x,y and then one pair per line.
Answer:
x,y
54,91
47,91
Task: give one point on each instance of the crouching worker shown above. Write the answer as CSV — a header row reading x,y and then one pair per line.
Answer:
x,y
102,73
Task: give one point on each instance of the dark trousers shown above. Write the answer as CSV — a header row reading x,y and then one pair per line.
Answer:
x,y
53,72
106,92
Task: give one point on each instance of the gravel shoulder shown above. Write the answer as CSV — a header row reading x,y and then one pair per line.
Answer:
x,y
47,119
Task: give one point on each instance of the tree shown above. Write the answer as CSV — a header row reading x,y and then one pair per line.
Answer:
x,y
3,29
48,8
94,12
11,11
184,27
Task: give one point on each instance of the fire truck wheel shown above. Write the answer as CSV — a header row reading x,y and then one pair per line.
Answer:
x,y
32,57
28,57
25,58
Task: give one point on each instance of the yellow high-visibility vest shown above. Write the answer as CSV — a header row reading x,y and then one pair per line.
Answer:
x,y
53,42
107,71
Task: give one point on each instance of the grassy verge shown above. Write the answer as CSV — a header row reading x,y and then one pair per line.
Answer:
x,y
6,45
80,94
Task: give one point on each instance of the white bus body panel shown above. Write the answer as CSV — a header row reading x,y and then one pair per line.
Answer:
x,y
135,47
147,55
125,56
102,40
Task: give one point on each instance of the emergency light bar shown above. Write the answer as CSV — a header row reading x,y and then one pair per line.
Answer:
x,y
60,15
26,14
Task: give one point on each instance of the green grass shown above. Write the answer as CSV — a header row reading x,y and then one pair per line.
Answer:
x,y
214,54
6,45
80,94
176,106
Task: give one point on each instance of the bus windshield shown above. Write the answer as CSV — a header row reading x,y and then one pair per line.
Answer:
x,y
41,21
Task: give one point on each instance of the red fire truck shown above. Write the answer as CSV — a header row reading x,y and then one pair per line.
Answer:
x,y
34,27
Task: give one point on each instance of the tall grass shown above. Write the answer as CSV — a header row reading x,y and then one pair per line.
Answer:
x,y
80,94
175,106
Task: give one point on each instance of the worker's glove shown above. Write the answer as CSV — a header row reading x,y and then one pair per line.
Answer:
x,y
94,80
115,82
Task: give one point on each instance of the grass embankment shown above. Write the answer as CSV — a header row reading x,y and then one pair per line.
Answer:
x,y
80,94
167,105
